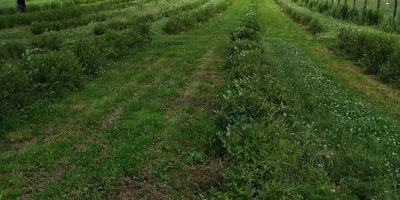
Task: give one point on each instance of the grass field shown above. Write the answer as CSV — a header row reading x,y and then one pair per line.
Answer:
x,y
237,102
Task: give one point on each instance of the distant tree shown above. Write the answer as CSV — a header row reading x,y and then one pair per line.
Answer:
x,y
395,9
379,4
354,4
338,2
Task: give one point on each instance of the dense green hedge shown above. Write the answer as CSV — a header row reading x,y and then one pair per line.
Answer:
x,y
376,52
312,24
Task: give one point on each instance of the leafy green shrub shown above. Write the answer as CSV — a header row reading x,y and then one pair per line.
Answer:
x,y
37,76
118,24
247,99
244,33
90,57
315,27
390,71
372,17
344,11
179,24
250,21
238,51
370,49
53,71
48,42
353,15
39,28
116,44
12,50
99,29
186,21
13,87
237,46
62,14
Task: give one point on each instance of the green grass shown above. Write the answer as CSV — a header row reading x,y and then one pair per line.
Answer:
x,y
146,128
140,130
328,118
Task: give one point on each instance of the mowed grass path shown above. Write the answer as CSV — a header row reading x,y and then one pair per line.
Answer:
x,y
143,130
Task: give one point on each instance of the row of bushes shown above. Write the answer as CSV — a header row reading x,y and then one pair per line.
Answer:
x,y
39,44
186,21
376,52
41,27
251,119
358,16
345,12
46,74
173,11
313,25
50,6
60,15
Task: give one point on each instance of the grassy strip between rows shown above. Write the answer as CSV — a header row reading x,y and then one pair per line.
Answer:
x,y
188,20
375,51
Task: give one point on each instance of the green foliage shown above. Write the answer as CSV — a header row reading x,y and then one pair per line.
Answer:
x,y
313,25
389,72
51,72
116,44
251,21
90,57
369,49
247,99
372,17
62,14
242,49
38,76
48,42
118,24
99,29
244,33
186,21
12,50
344,12
38,28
